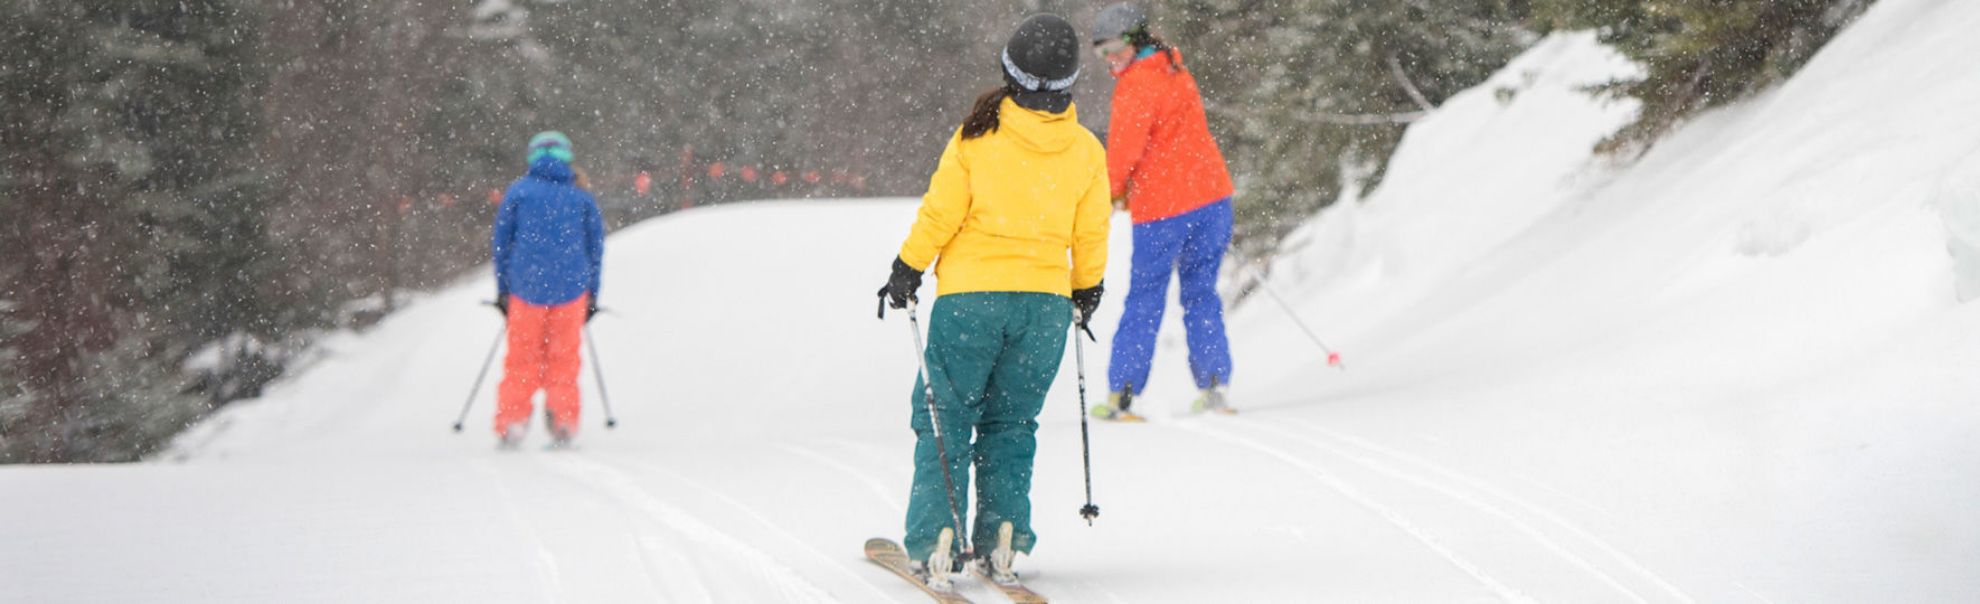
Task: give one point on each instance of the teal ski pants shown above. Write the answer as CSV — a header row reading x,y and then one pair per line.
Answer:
x,y
991,357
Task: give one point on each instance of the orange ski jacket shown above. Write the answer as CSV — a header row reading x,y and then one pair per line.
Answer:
x,y
1160,155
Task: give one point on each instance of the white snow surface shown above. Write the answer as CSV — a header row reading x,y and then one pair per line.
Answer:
x,y
1735,370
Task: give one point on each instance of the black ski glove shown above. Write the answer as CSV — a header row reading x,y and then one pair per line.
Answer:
x,y
502,302
901,285
1088,300
590,309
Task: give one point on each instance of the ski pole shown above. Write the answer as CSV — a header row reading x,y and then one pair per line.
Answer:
x,y
1088,511
1333,358
485,363
941,450
598,370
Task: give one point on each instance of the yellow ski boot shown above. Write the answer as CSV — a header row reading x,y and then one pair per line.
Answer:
x,y
1212,399
1116,408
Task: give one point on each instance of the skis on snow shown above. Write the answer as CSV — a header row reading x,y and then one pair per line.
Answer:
x,y
1017,592
888,554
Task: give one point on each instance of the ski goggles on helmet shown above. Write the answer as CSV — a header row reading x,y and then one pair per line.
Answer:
x,y
1107,47
551,143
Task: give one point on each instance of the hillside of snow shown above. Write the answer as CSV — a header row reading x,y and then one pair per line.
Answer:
x,y
1734,370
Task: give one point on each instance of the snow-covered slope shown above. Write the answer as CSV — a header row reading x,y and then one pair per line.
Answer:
x,y
1740,357
1732,371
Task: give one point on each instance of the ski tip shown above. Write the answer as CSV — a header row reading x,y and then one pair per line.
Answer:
x,y
881,544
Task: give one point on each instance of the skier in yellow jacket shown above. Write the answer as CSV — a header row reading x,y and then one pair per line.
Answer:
x,y
1015,225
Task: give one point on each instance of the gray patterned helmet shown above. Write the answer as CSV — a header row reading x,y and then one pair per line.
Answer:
x,y
1117,21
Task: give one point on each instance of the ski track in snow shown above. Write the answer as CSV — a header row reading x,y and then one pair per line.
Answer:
x,y
1360,497
666,570
1476,484
789,585
546,560
872,483
1445,484
789,539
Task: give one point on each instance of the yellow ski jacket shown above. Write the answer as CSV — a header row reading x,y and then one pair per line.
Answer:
x,y
1006,209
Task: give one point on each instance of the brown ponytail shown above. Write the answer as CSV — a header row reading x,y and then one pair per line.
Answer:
x,y
983,115
1140,38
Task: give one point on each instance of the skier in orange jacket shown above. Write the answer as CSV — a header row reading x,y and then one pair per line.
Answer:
x,y
1162,161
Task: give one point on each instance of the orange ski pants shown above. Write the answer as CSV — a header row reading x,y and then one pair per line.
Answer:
x,y
543,355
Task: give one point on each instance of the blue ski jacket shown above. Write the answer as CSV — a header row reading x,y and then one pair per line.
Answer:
x,y
549,238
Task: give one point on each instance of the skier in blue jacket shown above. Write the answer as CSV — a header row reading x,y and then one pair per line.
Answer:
x,y
548,244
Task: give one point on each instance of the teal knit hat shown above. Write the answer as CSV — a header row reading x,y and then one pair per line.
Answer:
x,y
551,143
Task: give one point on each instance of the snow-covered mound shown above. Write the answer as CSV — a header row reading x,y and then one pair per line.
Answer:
x,y
1735,370
1740,357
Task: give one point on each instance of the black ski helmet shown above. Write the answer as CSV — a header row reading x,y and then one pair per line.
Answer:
x,y
1119,21
1041,62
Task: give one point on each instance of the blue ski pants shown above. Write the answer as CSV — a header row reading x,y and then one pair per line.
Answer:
x,y
1191,246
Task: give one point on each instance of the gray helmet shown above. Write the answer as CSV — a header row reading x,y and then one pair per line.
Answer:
x,y
1117,21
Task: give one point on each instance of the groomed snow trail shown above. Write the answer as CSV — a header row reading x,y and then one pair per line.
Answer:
x,y
752,458
1731,372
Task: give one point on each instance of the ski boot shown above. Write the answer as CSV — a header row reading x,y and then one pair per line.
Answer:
x,y
941,564
1212,399
511,437
1002,557
561,438
1116,407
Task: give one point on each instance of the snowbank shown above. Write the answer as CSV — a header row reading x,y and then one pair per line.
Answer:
x,y
1743,352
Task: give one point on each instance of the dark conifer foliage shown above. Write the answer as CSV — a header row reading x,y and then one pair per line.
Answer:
x,y
1699,54
1310,97
134,231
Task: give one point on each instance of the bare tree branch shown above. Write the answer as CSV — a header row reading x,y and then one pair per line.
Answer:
x,y
1396,70
1363,119
1347,119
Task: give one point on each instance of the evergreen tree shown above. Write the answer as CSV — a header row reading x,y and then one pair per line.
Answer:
x,y
132,203
1310,97
1699,54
